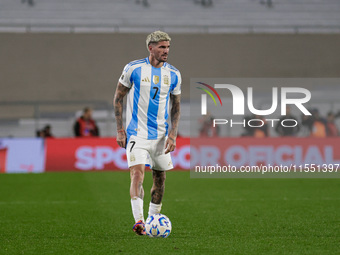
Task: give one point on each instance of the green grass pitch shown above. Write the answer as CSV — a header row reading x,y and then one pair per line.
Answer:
x,y
89,213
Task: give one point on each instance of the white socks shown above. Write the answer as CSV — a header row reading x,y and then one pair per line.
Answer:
x,y
137,209
154,208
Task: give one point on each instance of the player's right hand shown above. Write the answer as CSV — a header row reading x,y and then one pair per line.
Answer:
x,y
170,144
121,139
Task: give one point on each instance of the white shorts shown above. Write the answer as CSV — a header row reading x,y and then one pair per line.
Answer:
x,y
152,152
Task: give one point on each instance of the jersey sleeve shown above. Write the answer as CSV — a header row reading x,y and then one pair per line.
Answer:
x,y
125,78
177,86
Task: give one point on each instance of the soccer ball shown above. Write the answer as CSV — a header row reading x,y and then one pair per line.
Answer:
x,y
158,225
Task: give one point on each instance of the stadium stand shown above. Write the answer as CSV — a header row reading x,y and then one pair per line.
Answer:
x,y
177,16
59,56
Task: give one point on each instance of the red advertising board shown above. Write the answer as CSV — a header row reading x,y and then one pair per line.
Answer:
x,y
83,154
99,154
3,159
264,151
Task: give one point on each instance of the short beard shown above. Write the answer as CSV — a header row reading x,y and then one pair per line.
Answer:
x,y
161,60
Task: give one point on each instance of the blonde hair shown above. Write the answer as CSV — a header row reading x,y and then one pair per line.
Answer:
x,y
157,36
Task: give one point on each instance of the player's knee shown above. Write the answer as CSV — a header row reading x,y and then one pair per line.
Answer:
x,y
137,175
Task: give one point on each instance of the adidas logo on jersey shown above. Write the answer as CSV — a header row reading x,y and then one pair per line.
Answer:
x,y
146,79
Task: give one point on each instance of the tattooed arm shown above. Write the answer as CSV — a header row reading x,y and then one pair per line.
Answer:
x,y
170,144
121,91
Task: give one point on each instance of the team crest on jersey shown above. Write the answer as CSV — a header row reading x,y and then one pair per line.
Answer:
x,y
166,79
122,77
132,158
155,79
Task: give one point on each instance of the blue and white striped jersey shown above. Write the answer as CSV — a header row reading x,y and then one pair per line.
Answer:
x,y
147,107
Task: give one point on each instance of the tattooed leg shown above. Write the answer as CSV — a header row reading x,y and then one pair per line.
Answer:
x,y
158,186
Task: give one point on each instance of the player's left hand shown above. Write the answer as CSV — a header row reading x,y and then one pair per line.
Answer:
x,y
170,144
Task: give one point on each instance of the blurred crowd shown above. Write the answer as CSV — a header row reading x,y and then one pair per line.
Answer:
x,y
314,125
84,126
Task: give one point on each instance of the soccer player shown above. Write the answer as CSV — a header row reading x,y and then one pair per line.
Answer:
x,y
148,84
